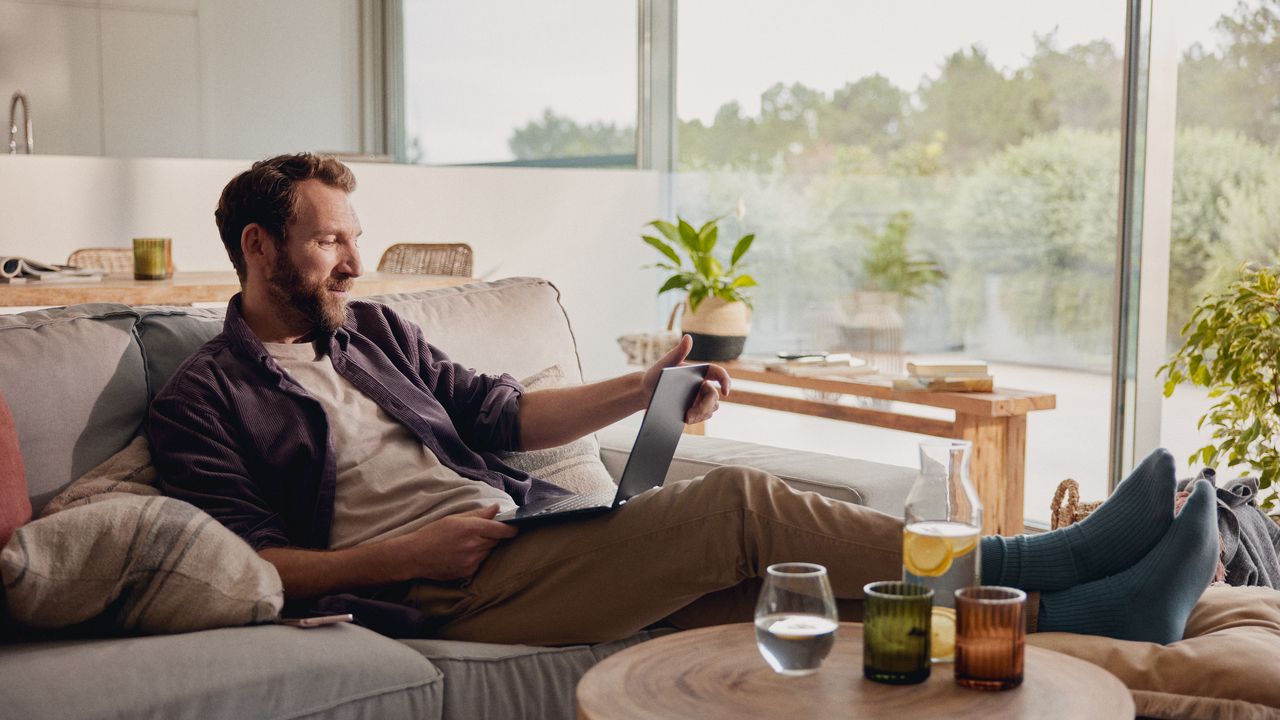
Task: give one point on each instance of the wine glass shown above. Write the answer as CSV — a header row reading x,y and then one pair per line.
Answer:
x,y
796,618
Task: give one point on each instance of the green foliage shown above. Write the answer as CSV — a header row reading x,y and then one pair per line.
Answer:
x,y
554,136
1041,216
978,108
1220,174
704,275
889,266
1232,347
1238,86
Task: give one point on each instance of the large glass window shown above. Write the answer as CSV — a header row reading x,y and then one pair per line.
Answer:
x,y
1226,175
947,187
520,82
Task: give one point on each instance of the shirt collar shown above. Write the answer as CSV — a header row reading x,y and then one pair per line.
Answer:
x,y
248,343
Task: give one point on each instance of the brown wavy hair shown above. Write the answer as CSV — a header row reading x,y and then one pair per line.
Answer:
x,y
266,194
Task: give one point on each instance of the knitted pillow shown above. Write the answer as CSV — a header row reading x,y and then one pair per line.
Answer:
x,y
110,549
576,466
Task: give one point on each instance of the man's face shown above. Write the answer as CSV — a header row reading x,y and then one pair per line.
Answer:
x,y
318,260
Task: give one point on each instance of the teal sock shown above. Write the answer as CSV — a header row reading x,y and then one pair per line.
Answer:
x,y
1152,600
1115,536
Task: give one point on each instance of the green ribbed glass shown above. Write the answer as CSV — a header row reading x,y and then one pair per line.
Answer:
x,y
895,632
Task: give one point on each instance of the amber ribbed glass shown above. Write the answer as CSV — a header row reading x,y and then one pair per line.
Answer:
x,y
895,632
990,637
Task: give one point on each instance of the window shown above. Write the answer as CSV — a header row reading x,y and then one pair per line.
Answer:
x,y
1226,173
941,187
520,82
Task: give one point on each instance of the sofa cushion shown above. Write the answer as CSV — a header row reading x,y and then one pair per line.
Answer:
x,y
74,380
513,682
15,506
515,325
169,335
874,485
1224,667
266,672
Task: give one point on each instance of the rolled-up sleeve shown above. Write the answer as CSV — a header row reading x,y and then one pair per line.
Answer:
x,y
485,408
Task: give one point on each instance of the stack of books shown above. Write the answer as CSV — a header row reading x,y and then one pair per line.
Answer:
x,y
817,363
954,375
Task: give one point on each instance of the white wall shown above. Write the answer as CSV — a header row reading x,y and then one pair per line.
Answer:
x,y
184,78
578,228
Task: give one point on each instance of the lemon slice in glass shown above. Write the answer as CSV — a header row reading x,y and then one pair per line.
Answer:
x,y
963,545
926,555
942,633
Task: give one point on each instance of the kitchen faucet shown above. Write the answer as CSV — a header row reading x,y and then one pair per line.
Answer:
x,y
13,126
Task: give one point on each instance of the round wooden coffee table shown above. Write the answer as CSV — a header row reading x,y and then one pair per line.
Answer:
x,y
716,672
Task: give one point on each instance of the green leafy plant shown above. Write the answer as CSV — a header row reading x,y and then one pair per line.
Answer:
x,y
1232,347
889,266
703,275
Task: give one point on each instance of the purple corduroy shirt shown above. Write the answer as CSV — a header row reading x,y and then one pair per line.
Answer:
x,y
234,435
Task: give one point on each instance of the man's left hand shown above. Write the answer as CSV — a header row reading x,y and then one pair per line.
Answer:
x,y
714,387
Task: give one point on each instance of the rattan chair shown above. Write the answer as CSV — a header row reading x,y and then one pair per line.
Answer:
x,y
111,260
428,259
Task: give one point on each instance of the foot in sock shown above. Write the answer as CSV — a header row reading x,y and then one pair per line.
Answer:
x,y
1152,600
1115,536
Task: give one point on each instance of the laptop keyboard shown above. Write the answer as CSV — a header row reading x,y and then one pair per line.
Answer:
x,y
577,502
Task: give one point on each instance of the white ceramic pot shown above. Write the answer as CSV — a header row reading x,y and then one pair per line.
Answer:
x,y
719,329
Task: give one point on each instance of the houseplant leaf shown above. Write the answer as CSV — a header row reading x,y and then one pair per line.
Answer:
x,y
744,244
663,248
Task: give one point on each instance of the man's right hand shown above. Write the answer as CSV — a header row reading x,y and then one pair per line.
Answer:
x,y
450,548
453,547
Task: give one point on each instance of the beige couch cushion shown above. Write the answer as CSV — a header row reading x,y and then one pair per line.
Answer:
x,y
514,682
338,672
515,325
1225,668
74,379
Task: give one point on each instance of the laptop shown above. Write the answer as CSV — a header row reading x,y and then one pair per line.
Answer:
x,y
647,465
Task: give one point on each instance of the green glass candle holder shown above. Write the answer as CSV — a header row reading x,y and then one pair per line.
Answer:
x,y
152,258
895,634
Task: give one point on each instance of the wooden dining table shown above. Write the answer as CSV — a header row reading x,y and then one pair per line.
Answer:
x,y
185,288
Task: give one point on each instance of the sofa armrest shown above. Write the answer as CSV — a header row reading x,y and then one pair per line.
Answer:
x,y
875,485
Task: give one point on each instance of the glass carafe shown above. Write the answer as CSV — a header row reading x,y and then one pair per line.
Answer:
x,y
940,537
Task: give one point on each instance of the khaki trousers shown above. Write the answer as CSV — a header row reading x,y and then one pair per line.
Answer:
x,y
690,553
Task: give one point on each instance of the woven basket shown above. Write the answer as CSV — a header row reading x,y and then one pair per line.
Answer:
x,y
1066,508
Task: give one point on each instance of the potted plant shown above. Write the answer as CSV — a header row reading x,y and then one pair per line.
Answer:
x,y
887,274
717,309
1232,347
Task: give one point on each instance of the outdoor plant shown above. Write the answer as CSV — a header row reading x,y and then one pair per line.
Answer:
x,y
694,266
1232,347
887,265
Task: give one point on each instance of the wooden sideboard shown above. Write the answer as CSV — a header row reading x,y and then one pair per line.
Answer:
x,y
995,422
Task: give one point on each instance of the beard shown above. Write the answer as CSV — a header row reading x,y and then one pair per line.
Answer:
x,y
314,307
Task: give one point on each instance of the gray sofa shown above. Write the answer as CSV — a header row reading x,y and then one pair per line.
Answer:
x,y
78,381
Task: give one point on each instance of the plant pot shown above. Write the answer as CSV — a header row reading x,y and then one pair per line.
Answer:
x,y
719,329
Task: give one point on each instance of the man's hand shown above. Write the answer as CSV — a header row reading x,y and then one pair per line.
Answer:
x,y
708,400
450,548
453,547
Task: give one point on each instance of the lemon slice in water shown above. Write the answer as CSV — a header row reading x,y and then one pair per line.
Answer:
x,y
942,633
926,555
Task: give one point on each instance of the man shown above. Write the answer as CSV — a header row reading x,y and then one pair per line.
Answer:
x,y
356,458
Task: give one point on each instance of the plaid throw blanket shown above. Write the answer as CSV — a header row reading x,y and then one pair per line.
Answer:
x,y
110,549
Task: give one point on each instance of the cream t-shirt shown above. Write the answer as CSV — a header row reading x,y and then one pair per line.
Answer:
x,y
389,483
